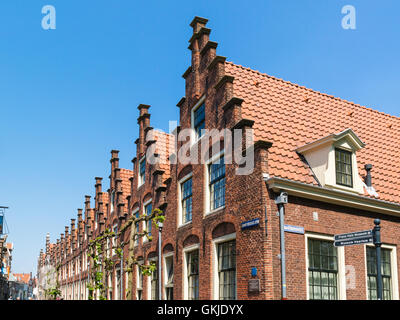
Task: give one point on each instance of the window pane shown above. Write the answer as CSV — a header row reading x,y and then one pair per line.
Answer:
x,y
344,175
227,270
322,269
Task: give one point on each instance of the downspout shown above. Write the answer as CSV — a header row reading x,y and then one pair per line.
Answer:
x,y
281,200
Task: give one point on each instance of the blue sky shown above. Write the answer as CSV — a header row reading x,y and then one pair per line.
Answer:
x,y
69,96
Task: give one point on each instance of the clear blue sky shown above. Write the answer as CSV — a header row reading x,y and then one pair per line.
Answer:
x,y
68,96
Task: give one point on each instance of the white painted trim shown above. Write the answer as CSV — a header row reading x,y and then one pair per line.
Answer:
x,y
193,139
187,250
137,281
333,196
341,264
214,263
180,209
394,270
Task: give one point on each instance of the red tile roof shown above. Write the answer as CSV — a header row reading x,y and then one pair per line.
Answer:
x,y
22,277
290,116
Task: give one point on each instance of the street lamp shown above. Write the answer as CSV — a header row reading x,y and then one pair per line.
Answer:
x,y
160,226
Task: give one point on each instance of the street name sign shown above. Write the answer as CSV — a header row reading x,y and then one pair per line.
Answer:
x,y
293,229
250,223
349,239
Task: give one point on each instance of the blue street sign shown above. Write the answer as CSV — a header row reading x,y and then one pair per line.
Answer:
x,y
250,223
293,229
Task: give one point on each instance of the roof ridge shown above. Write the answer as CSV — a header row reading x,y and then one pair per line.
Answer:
x,y
312,90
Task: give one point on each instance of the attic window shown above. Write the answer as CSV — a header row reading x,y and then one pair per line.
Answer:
x,y
333,161
142,171
199,121
344,172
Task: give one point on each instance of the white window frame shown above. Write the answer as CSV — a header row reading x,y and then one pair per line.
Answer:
x,y
165,273
116,282
134,212
215,276
114,241
141,179
180,208
112,201
393,265
207,193
341,275
144,224
193,137
187,250
149,278
137,280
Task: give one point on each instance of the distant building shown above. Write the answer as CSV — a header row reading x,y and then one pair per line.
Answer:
x,y
21,285
6,249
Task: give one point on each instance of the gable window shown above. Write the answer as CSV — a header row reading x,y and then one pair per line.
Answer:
x,y
227,270
142,171
217,184
169,278
344,174
114,239
112,201
186,188
147,212
192,259
199,120
372,274
322,270
136,214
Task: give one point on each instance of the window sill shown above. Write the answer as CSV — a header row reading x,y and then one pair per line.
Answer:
x,y
185,224
343,188
214,211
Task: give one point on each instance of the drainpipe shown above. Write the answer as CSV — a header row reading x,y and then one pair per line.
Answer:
x,y
281,200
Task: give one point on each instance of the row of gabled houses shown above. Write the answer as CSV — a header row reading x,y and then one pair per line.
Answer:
x,y
315,166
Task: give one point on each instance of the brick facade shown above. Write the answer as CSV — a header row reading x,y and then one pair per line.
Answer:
x,y
247,197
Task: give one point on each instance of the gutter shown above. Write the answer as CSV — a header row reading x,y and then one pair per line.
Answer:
x,y
332,196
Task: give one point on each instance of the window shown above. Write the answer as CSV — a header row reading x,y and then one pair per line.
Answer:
x,y
169,278
136,214
217,184
139,283
112,201
227,270
186,188
322,270
344,174
109,287
154,283
372,274
147,212
114,239
117,294
192,260
142,171
199,121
